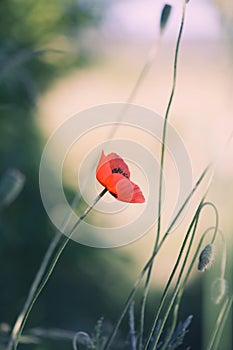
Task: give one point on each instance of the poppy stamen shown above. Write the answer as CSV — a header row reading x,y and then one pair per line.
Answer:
x,y
119,171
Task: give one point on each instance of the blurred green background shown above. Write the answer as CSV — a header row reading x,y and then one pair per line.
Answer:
x,y
43,44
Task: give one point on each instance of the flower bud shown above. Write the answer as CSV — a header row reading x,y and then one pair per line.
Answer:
x,y
206,257
84,339
165,14
11,184
218,290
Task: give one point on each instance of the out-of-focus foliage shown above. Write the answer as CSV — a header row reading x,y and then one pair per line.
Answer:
x,y
27,29
225,8
30,23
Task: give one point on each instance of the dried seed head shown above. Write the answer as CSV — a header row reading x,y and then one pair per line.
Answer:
x,y
206,257
165,14
84,339
218,290
11,184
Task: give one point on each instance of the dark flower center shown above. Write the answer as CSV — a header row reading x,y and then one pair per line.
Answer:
x,y
119,171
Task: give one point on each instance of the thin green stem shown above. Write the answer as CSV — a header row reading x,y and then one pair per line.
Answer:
x,y
147,265
180,286
217,221
174,322
146,288
125,307
192,228
141,77
182,208
220,323
41,272
143,307
224,255
132,331
170,227
50,268
166,120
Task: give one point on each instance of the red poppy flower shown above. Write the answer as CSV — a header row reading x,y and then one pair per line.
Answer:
x,y
113,173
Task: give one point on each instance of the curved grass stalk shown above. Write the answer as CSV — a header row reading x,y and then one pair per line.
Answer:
x,y
41,271
146,288
219,325
174,322
166,120
179,288
148,264
141,77
224,257
192,228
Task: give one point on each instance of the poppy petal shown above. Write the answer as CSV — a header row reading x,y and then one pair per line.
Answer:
x,y
127,191
124,189
112,181
103,170
109,164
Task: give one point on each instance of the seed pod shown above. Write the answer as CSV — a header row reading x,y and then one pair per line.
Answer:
x,y
165,14
84,339
11,184
206,257
218,290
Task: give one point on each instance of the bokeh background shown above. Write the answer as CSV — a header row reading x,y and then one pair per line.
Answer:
x,y
60,57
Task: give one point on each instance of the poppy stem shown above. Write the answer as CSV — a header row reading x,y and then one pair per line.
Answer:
x,y
162,159
41,271
44,277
